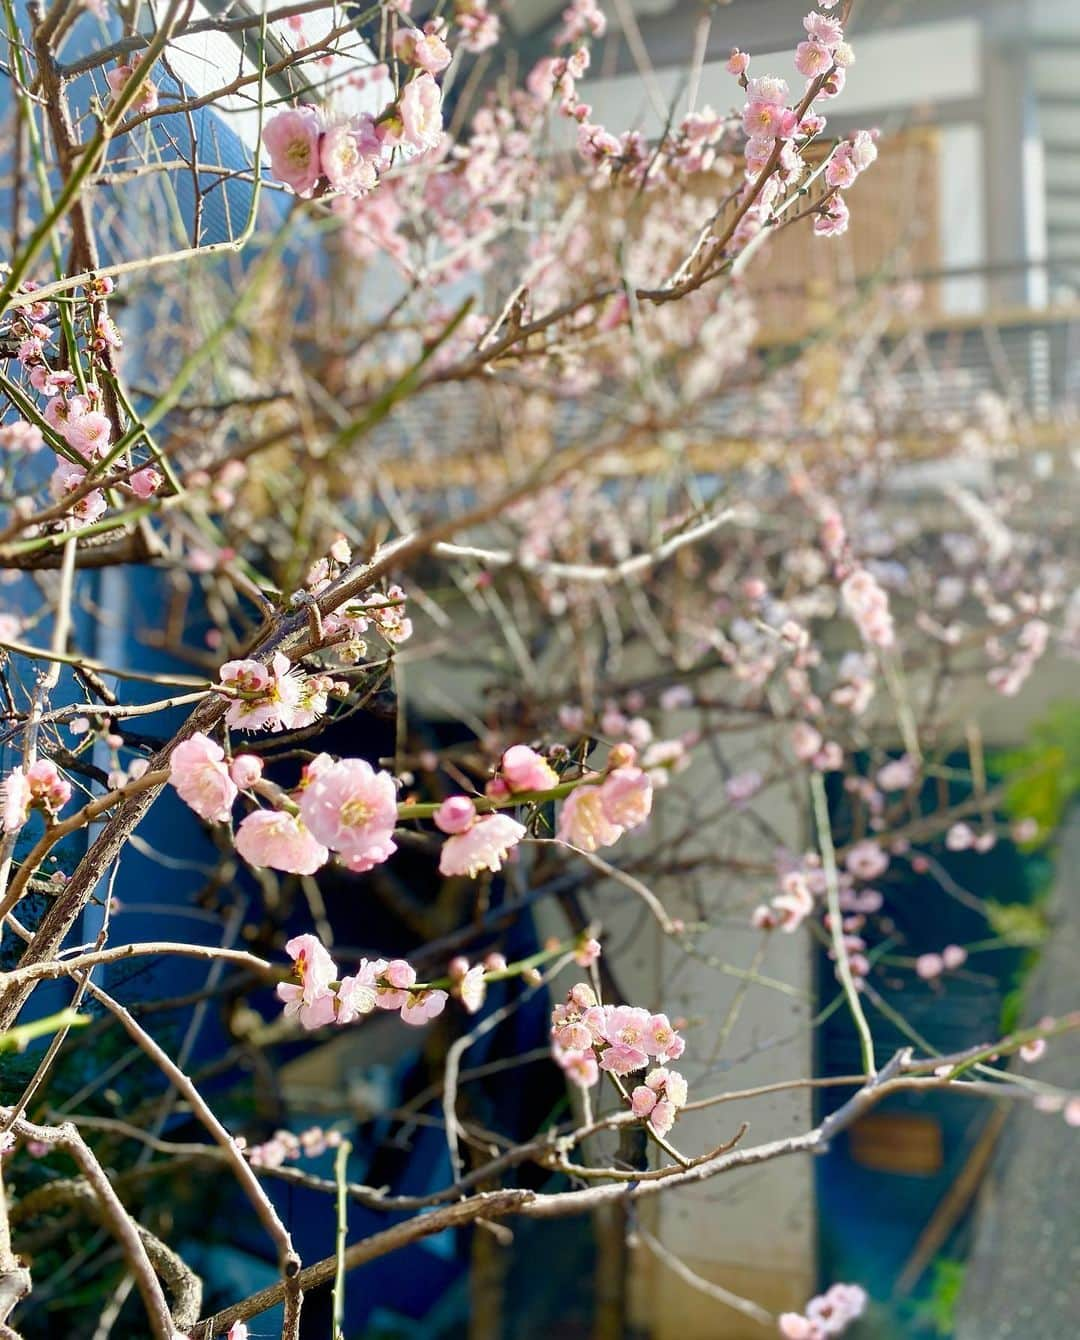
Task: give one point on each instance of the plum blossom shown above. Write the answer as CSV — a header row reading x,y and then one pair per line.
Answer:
x,y
583,820
198,771
145,482
423,1006
484,845
20,435
40,786
262,697
659,1098
929,966
866,860
832,221
350,808
424,49
312,1001
626,797
420,111
349,156
245,770
525,770
291,138
829,32
280,841
357,994
812,59
67,478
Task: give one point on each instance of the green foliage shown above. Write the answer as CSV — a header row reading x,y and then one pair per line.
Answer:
x,y
1044,776
936,1313
1020,924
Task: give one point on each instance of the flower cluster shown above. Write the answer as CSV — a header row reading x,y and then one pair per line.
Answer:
x,y
318,995
588,1037
344,806
346,626
475,842
788,909
286,1147
598,813
38,787
273,697
82,434
830,1313
658,1100
931,966
118,77
868,605
347,156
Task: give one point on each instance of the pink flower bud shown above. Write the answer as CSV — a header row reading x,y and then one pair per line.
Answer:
x,y
245,770
455,815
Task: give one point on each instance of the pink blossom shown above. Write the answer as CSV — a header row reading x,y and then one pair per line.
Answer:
x,y
768,88
583,821
829,32
348,156
670,1083
833,221
423,1006
472,988
19,435
526,770
237,1331
455,815
145,482
245,770
805,741
866,860
197,769
352,809
626,797
89,434
312,1001
581,1067
897,775
929,966
279,840
17,800
954,956
766,120
1033,1050
357,995
261,696
394,978
959,837
426,50
420,109
812,59
662,1117
620,1059
587,953
738,62
40,786
291,138
794,1326
659,1037
642,1100
742,787
117,78
483,846
66,479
